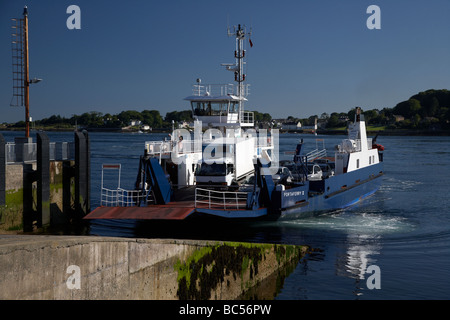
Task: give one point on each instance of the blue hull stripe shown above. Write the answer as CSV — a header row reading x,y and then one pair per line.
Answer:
x,y
338,192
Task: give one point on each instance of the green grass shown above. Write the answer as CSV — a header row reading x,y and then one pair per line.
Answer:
x,y
376,128
369,128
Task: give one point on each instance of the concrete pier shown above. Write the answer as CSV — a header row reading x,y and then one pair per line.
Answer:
x,y
44,185
90,268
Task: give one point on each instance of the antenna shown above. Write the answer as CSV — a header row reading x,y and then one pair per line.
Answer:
x,y
240,33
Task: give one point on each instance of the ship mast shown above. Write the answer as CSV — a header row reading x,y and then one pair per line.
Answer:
x,y
240,34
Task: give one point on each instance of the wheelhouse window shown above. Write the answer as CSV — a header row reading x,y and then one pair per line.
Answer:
x,y
212,108
234,107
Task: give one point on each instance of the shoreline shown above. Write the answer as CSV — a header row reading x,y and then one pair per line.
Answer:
x,y
112,130
320,132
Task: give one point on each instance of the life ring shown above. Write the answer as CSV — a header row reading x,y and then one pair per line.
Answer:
x,y
378,146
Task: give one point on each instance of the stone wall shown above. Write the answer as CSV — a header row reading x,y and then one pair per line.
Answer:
x,y
89,268
11,214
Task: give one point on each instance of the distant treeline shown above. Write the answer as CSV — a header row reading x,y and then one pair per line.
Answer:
x,y
431,107
426,109
95,119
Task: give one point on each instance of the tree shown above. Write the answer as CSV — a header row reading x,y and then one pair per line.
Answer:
x,y
416,120
431,108
152,118
262,117
408,108
178,116
351,114
370,115
19,124
91,119
126,116
147,117
334,121
312,120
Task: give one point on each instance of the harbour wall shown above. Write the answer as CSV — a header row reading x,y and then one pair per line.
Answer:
x,y
11,213
44,185
91,268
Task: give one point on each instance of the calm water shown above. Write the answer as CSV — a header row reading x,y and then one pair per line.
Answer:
x,y
404,228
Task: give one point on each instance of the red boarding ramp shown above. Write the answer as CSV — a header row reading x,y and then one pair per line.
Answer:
x,y
172,211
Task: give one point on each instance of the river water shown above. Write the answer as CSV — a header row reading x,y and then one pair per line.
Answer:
x,y
398,239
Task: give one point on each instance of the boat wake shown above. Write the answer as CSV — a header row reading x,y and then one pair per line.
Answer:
x,y
350,222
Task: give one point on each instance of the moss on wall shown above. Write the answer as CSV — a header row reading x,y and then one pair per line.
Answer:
x,y
11,214
223,265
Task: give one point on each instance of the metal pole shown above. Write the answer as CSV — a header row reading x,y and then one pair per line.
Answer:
x,y
2,170
239,63
26,75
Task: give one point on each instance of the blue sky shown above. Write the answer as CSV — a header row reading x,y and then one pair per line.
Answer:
x,y
308,57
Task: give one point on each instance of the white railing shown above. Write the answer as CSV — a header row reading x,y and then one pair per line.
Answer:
x,y
24,152
27,152
212,199
316,153
121,198
213,89
158,147
167,147
219,89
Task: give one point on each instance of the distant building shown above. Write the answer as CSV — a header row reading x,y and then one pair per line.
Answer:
x,y
184,124
135,123
291,126
314,127
398,118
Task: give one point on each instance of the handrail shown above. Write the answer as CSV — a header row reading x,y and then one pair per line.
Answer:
x,y
163,147
121,198
27,152
314,154
222,89
220,199
213,89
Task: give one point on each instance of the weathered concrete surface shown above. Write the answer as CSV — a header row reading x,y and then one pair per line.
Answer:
x,y
11,214
38,267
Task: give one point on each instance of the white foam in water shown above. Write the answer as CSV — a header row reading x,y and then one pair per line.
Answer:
x,y
354,222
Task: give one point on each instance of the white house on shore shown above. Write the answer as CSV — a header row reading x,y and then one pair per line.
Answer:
x,y
291,126
135,123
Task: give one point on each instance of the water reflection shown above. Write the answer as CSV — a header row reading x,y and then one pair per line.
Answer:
x,y
354,261
359,255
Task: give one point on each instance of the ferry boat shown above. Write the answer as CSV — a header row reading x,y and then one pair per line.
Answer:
x,y
227,169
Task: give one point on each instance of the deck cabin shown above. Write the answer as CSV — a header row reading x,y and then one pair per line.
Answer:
x,y
219,106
